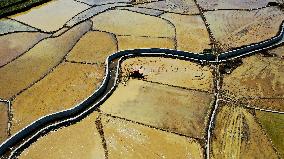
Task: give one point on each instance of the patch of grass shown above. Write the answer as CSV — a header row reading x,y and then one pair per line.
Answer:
x,y
273,123
6,3
9,7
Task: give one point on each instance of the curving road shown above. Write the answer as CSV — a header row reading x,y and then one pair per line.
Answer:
x,y
21,140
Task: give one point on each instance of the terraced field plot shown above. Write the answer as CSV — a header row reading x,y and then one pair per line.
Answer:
x,y
143,79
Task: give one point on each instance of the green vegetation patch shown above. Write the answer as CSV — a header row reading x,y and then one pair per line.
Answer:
x,y
9,7
273,123
6,3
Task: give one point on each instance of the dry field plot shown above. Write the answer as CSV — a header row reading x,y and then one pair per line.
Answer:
x,y
34,64
142,10
51,16
10,26
260,80
122,22
279,52
13,45
68,142
233,4
170,72
237,134
173,6
169,30
191,33
128,140
101,2
174,109
132,42
123,139
144,32
3,121
93,47
234,28
65,87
